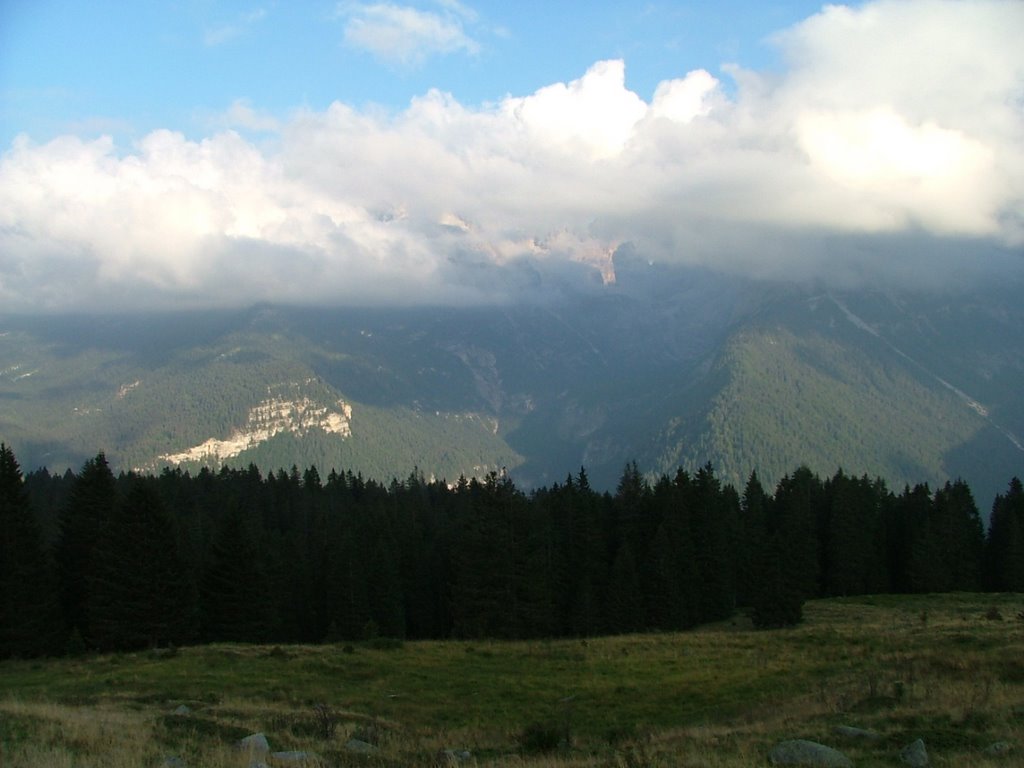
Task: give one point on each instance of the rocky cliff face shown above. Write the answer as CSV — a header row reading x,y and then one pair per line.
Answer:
x,y
271,417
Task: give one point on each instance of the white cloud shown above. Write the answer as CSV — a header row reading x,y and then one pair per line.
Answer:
x,y
404,35
683,100
223,33
242,115
893,122
596,112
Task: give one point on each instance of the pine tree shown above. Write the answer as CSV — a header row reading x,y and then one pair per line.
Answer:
x,y
29,610
82,524
484,589
715,511
585,559
235,596
625,601
141,595
753,533
384,582
956,519
778,597
1004,547
794,517
850,556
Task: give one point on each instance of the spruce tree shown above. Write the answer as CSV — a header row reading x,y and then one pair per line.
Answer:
x,y
961,536
83,522
141,595
753,534
1004,547
29,610
625,601
235,596
778,598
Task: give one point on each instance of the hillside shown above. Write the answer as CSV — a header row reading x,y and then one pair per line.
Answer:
x,y
666,366
807,379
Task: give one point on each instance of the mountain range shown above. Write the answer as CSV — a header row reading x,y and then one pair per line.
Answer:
x,y
666,366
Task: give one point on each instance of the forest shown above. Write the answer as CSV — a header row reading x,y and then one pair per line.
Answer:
x,y
90,561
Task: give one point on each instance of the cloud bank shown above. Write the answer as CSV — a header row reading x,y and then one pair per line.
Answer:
x,y
892,143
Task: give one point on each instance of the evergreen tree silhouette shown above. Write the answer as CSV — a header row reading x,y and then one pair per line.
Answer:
x,y
29,611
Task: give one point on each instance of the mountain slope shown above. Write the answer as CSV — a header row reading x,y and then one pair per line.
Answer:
x,y
806,380
668,367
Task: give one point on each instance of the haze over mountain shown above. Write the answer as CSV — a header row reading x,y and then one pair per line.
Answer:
x,y
461,237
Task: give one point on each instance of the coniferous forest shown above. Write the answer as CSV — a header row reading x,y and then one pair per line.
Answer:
x,y
94,561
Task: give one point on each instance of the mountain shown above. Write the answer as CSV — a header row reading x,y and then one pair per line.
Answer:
x,y
667,366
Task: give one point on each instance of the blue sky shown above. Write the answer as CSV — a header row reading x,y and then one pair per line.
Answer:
x,y
128,68
196,153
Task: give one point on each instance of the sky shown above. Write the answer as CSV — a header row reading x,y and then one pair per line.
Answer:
x,y
197,153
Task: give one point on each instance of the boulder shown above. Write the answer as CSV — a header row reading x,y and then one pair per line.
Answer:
x,y
254,744
181,710
454,756
856,734
998,749
803,752
915,755
292,757
360,747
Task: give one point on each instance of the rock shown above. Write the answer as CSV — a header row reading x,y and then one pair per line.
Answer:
x,y
998,749
856,734
292,756
803,752
360,747
255,743
173,762
454,756
181,710
915,755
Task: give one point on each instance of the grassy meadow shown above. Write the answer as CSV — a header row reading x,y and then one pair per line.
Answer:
x,y
945,668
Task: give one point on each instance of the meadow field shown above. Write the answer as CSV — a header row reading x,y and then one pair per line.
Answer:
x,y
947,669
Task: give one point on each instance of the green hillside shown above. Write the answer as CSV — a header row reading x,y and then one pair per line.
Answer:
x,y
787,399
667,367
61,405
805,380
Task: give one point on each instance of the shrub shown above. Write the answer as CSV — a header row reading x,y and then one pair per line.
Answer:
x,y
539,738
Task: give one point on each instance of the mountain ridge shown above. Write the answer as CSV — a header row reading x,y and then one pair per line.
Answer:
x,y
667,367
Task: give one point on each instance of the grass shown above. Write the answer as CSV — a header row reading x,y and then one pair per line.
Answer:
x,y
945,668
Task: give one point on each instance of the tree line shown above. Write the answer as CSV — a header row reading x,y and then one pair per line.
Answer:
x,y
90,560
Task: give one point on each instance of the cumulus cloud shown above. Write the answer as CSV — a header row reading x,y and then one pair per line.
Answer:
x,y
891,144
404,35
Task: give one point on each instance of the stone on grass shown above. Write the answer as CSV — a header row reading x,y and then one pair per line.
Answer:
x,y
998,748
803,752
360,747
182,710
856,734
173,762
915,755
255,743
291,756
454,756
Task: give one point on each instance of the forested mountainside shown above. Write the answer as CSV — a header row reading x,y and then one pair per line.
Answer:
x,y
235,556
667,366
